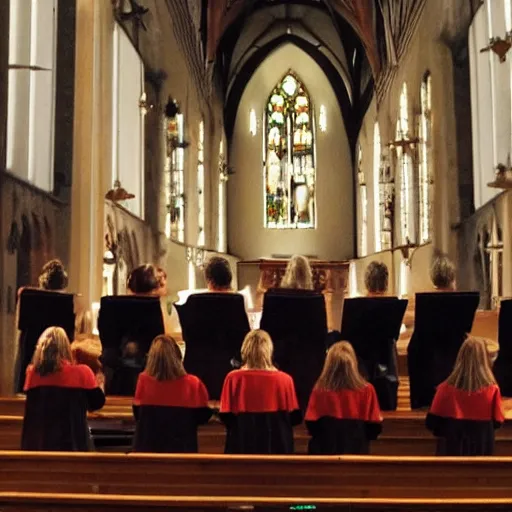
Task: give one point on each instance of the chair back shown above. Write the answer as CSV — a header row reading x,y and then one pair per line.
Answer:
x,y
503,365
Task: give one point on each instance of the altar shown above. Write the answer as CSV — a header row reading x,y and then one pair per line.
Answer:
x,y
329,278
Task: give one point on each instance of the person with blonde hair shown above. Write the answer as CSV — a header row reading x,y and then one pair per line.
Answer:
x,y
169,403
298,274
343,413
258,404
467,406
59,394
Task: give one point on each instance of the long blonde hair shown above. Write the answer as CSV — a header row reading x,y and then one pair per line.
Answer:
x,y
298,274
340,369
52,349
472,370
257,351
164,359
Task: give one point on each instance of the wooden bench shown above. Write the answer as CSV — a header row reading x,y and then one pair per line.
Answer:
x,y
309,478
403,434
30,502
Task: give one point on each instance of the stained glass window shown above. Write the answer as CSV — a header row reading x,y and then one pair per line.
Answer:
x,y
425,168
363,205
289,167
405,170
200,186
174,178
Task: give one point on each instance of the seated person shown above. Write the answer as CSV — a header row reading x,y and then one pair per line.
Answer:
x,y
467,406
298,274
169,404
59,394
343,413
258,403
442,274
503,364
40,308
376,279
214,326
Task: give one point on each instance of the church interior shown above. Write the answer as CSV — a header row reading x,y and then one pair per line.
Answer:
x,y
169,134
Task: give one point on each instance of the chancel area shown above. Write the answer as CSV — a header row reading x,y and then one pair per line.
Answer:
x,y
255,255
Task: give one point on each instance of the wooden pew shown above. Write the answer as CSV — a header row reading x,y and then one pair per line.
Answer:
x,y
403,434
273,477
30,502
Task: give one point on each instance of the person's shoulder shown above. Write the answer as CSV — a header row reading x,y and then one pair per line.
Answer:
x,y
192,379
283,376
83,369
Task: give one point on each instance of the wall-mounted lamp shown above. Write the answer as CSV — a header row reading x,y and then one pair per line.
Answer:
x,y
503,176
225,172
144,106
499,46
118,193
253,123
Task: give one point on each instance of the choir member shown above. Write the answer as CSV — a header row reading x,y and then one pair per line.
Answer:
x,y
343,413
169,403
442,274
376,279
218,275
258,403
467,406
59,394
298,274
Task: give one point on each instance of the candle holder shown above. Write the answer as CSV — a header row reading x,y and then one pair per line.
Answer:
x,y
499,46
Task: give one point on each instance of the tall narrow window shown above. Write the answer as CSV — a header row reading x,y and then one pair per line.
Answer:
x,y
377,221
363,205
221,244
128,121
425,168
289,169
200,186
174,178
405,170
31,91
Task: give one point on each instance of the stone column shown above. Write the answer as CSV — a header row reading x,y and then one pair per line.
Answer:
x,y
92,145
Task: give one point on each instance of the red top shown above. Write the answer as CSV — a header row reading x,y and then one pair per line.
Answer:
x,y
186,391
345,404
482,405
69,376
258,391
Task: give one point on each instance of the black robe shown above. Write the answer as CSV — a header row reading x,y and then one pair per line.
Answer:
x,y
343,422
56,409
168,414
465,421
503,363
259,409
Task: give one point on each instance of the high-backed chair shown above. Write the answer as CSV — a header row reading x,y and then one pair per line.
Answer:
x,y
38,310
297,323
503,365
127,325
214,326
372,326
442,321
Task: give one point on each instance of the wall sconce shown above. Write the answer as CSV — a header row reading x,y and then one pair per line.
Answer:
x,y
225,172
253,123
127,10
144,106
406,144
503,176
322,119
499,46
118,193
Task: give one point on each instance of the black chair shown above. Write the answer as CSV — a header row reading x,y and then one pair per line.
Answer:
x,y
127,325
214,326
38,310
503,364
297,323
372,326
442,322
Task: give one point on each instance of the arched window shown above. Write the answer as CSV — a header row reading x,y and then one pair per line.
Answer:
x,y
200,186
405,170
363,204
289,171
377,218
425,168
